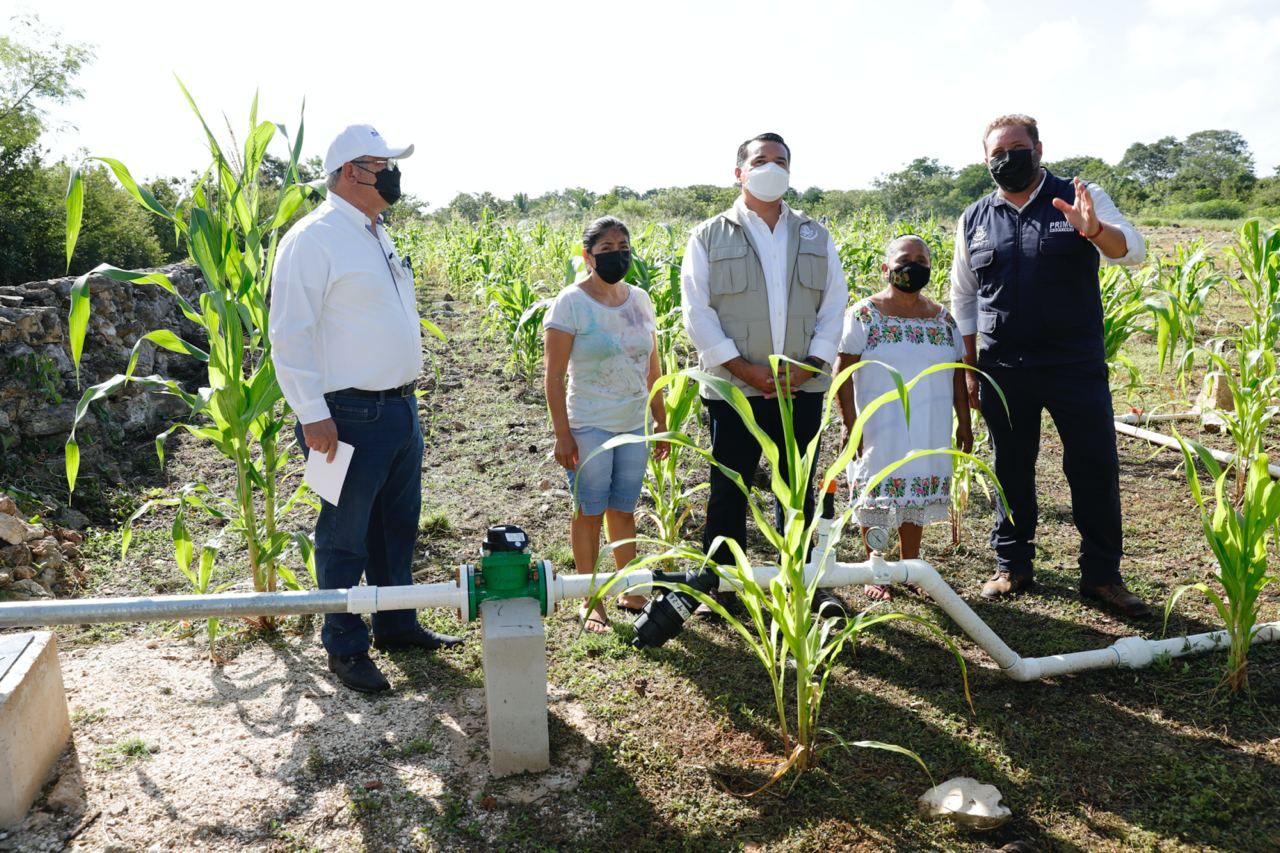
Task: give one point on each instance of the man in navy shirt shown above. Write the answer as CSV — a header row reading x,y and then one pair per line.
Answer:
x,y
1024,284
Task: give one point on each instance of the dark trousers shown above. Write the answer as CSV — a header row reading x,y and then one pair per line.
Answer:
x,y
735,448
1078,399
371,533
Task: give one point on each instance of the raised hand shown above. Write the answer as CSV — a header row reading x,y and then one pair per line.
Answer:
x,y
1081,214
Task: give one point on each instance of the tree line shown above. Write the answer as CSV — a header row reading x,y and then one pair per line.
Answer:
x,y
1209,174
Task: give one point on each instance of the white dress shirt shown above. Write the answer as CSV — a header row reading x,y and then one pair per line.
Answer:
x,y
702,323
964,282
343,310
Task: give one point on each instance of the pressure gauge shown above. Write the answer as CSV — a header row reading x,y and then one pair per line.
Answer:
x,y
877,538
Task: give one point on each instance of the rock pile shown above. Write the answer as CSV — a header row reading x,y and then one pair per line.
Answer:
x,y
38,390
35,560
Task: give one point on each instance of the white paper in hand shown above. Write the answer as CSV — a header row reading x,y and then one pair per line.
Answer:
x,y
325,478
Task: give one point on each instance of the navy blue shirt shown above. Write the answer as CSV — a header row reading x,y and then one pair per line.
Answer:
x,y
1038,298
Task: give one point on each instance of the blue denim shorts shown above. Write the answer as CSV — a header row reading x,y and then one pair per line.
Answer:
x,y
612,478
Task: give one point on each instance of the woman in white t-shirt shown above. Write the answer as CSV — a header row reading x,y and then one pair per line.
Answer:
x,y
601,332
906,330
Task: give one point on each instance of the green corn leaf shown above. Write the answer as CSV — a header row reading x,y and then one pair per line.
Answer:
x,y
182,547
208,553
432,328
140,194
75,214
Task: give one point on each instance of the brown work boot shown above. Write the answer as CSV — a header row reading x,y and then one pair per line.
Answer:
x,y
1117,597
1004,582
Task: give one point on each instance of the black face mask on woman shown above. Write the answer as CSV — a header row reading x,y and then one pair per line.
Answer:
x,y
612,266
911,277
386,182
1014,170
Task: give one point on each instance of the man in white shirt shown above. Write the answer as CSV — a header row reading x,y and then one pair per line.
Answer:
x,y
1025,295
346,344
761,279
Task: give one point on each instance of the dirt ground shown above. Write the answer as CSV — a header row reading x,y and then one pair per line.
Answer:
x,y
264,751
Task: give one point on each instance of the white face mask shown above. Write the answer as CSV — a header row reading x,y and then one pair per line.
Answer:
x,y
768,182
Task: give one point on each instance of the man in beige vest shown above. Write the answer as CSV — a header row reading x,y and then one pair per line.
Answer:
x,y
760,279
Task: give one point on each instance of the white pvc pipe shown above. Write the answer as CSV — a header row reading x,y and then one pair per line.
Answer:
x,y
1133,419
1168,441
1129,652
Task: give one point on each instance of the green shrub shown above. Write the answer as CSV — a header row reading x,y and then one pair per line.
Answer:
x,y
1270,212
1214,209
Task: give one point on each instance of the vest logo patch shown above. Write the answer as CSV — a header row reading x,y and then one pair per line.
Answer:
x,y
979,236
1059,226
807,231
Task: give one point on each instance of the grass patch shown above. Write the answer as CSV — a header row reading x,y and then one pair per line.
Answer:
x,y
121,754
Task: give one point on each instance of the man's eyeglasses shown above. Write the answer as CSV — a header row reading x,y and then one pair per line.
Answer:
x,y
390,164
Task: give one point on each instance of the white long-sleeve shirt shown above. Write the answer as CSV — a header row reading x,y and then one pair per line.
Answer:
x,y
343,310
702,323
964,282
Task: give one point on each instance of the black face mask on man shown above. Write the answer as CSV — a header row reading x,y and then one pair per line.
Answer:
x,y
911,277
386,182
1014,170
612,266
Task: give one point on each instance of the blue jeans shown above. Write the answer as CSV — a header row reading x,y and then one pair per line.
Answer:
x,y
612,478
371,533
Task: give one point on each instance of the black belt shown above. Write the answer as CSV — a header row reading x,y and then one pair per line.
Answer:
x,y
403,391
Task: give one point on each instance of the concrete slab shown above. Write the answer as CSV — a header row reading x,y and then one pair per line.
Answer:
x,y
515,686
34,726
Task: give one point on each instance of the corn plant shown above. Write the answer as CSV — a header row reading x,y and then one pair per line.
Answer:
x,y
1182,288
655,269
861,240
1257,250
1252,378
232,237
796,647
673,499
965,475
1239,541
1123,309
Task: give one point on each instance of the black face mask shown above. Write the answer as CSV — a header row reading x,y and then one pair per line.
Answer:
x,y
1014,170
612,266
386,182
911,277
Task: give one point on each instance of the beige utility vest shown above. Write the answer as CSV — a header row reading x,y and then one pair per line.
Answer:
x,y
741,301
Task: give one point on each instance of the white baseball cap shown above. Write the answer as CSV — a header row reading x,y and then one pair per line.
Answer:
x,y
360,140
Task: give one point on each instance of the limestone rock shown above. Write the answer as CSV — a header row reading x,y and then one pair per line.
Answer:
x,y
6,578
26,590
15,555
72,520
24,572
51,420
966,801
48,579
44,547
12,530
7,506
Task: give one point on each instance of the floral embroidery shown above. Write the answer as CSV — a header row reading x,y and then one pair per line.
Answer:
x,y
921,490
937,331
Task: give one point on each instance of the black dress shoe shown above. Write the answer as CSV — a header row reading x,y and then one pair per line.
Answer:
x,y
418,638
358,673
827,605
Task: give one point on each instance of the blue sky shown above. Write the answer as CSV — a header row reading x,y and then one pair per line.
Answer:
x,y
529,97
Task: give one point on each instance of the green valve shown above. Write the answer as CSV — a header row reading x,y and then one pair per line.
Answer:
x,y
506,571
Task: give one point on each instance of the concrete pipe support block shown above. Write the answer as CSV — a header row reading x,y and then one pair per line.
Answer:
x,y
34,726
515,686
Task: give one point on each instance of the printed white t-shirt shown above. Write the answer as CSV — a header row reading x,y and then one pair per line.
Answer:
x,y
609,361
